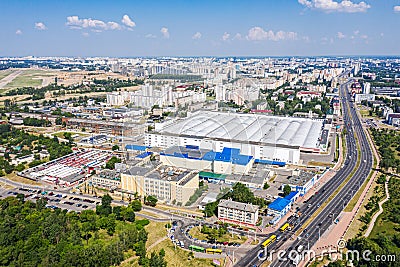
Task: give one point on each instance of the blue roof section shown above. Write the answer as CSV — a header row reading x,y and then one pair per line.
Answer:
x,y
270,162
291,195
136,147
228,155
279,204
144,155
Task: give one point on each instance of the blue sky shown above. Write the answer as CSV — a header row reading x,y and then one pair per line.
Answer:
x,y
199,28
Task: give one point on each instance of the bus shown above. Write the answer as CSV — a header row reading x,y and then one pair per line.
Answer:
x,y
196,248
214,251
284,227
268,242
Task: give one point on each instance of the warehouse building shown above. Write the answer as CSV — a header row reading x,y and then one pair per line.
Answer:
x,y
168,184
263,137
229,161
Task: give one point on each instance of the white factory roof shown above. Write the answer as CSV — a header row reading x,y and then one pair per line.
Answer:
x,y
301,132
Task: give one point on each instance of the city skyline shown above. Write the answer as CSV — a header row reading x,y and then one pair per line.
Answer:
x,y
131,28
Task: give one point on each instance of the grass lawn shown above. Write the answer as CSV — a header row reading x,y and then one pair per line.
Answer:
x,y
29,77
195,232
152,214
384,227
5,73
61,134
14,177
179,257
320,164
155,230
23,81
364,112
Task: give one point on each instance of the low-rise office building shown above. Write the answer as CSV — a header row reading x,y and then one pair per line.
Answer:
x,y
238,213
168,184
107,179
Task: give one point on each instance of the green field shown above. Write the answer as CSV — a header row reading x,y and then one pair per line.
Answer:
x,y
387,222
29,78
5,73
178,257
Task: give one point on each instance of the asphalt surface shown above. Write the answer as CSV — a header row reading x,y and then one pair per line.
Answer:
x,y
309,235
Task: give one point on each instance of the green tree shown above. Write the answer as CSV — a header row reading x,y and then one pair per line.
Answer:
x,y
136,205
111,162
286,190
150,201
266,186
105,208
211,209
115,147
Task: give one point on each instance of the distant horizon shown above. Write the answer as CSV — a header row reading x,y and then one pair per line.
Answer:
x,y
213,56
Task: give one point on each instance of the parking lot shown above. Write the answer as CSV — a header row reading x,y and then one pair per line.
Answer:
x,y
70,202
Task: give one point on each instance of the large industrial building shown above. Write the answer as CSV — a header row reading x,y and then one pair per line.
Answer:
x,y
264,137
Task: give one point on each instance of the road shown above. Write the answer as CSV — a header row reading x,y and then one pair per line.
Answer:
x,y
310,234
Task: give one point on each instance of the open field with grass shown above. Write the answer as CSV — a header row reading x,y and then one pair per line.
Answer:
x,y
155,230
180,258
195,232
5,73
387,223
31,78
61,134
320,164
14,177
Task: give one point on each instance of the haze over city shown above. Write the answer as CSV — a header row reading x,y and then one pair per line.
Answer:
x,y
199,28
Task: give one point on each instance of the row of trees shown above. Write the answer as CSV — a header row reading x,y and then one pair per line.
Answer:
x,y
36,122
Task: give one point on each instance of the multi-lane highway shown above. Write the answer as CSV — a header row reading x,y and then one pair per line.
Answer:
x,y
310,234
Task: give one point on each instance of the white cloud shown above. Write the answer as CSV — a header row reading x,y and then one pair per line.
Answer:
x,y
196,36
396,9
346,6
113,25
74,22
150,36
165,32
40,26
237,36
85,34
259,34
340,35
18,32
364,36
126,20
225,36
